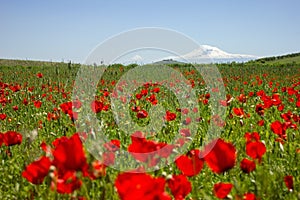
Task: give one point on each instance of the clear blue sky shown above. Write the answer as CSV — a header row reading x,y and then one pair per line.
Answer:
x,y
69,30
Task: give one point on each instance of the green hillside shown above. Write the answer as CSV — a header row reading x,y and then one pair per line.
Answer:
x,y
289,59
31,63
284,59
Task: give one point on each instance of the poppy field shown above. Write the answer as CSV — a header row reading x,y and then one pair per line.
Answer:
x,y
44,155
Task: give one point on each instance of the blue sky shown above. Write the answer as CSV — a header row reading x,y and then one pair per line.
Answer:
x,y
69,30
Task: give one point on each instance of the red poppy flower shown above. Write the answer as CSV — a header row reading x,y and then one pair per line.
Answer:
x,y
108,158
68,154
32,88
15,88
39,75
298,103
142,114
220,156
287,125
156,90
291,91
287,116
77,104
187,121
135,108
207,96
73,115
260,109
138,96
66,107
37,104
190,164
276,99
96,106
185,111
221,190
113,145
252,137
1,139
136,186
52,116
180,186
296,118
288,180
283,89
67,183
215,89
255,150
185,132
15,108
12,138
261,122
242,98
164,150
277,128
99,169
144,92
205,101
37,170
25,102
46,148
195,110
239,112
280,107
170,116
123,99
148,151
152,99
2,116
249,196
223,103
247,165
267,101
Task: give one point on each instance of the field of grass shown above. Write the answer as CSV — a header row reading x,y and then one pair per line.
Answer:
x,y
295,60
280,60
257,155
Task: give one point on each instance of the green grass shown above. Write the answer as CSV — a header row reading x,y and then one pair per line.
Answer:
x,y
279,60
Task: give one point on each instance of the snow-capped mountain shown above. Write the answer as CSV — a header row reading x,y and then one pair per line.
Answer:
x,y
203,54
210,54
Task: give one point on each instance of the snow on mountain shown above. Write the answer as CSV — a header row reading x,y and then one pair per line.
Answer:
x,y
210,54
137,58
203,54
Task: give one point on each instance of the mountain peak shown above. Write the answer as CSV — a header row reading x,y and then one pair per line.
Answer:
x,y
202,54
211,54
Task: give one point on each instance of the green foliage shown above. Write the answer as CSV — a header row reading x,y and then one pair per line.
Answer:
x,y
293,58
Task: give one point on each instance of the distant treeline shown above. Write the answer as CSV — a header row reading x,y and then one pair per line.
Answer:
x,y
32,63
288,60
267,59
